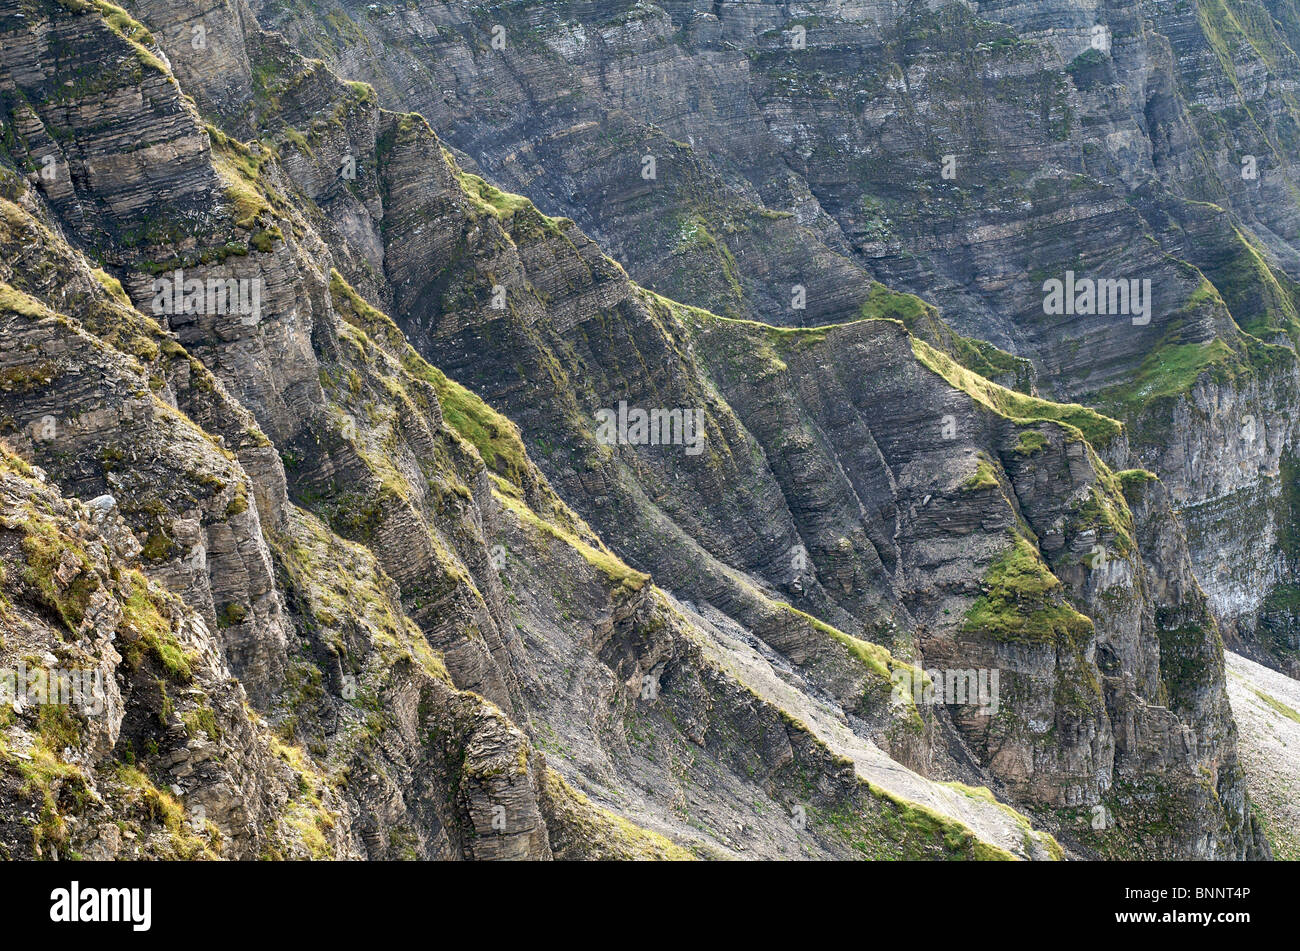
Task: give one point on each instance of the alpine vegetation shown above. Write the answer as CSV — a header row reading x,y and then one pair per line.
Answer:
x,y
648,431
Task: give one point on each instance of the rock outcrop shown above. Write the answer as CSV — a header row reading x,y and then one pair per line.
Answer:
x,y
454,613
967,153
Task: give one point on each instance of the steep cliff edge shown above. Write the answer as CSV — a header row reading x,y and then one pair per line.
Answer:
x,y
342,547
967,153
432,607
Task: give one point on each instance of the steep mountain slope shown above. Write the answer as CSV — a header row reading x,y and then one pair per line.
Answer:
x,y
328,608
1265,703
449,623
967,153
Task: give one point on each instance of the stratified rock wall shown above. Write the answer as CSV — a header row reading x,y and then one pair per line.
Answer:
x,y
449,618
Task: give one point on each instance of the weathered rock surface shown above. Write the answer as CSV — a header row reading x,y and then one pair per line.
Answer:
x,y
964,152
311,444
444,611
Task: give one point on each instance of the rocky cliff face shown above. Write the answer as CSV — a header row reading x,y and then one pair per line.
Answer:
x,y
454,613
964,152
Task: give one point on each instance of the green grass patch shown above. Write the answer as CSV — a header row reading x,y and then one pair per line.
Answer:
x,y
608,564
582,830
14,301
146,629
1173,366
984,478
494,436
49,552
1097,429
502,205
240,171
923,320
1031,441
1024,602
1277,706
1130,479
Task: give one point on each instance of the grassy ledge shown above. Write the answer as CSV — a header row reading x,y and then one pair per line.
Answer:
x,y
1093,426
